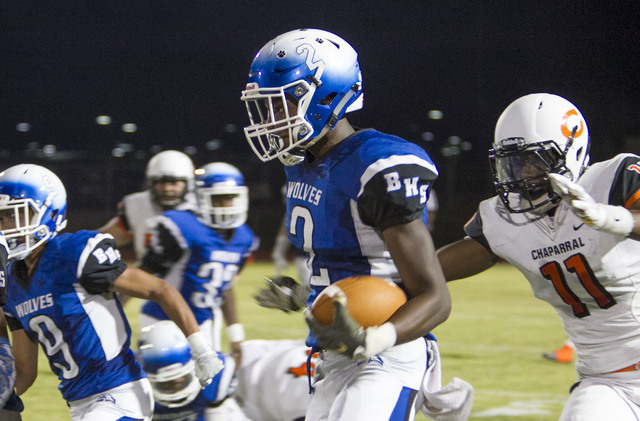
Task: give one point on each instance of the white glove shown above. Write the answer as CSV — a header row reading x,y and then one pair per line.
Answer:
x,y
7,371
207,362
612,219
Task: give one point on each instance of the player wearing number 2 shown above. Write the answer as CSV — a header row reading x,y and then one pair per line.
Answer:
x,y
573,231
62,293
356,202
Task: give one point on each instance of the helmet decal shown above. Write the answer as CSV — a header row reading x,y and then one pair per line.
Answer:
x,y
570,121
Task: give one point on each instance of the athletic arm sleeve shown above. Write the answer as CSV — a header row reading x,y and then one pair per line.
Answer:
x,y
473,228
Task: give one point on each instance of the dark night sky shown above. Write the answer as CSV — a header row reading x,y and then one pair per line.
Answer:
x,y
176,69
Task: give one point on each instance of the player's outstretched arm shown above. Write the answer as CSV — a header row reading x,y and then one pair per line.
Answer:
x,y
25,352
140,284
465,258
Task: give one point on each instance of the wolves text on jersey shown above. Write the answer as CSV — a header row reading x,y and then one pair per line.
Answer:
x,y
34,304
557,249
304,191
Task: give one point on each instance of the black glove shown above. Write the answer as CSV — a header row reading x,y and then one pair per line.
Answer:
x,y
343,335
283,293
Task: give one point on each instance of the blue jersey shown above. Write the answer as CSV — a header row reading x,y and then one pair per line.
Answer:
x,y
3,269
68,306
338,206
197,260
219,389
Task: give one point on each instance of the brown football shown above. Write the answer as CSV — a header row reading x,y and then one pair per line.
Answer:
x,y
370,300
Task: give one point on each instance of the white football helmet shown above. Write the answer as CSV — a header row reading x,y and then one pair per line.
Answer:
x,y
170,166
165,355
315,70
223,198
537,134
33,207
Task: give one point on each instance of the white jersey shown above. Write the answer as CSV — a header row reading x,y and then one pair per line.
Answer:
x,y
591,278
137,208
272,381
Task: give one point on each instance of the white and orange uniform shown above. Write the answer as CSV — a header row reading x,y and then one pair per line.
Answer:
x,y
137,208
590,277
273,382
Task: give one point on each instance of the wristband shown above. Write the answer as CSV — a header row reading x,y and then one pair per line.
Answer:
x,y
198,342
619,221
235,332
377,339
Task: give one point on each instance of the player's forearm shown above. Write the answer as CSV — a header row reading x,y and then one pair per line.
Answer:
x,y
229,307
176,308
421,314
464,258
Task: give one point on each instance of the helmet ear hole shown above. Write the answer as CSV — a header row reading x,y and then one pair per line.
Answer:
x,y
327,100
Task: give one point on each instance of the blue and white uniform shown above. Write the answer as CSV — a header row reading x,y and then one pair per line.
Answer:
x,y
220,388
3,266
7,367
68,306
337,208
376,181
197,260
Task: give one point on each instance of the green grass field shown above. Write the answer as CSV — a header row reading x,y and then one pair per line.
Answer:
x,y
494,339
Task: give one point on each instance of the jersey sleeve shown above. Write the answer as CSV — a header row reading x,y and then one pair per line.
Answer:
x,y
626,185
100,264
395,195
166,246
12,322
473,229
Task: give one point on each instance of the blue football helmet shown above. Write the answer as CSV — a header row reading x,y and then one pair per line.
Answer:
x,y
33,207
223,198
318,73
165,355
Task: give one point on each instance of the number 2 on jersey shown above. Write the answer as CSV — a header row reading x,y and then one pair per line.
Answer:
x,y
578,265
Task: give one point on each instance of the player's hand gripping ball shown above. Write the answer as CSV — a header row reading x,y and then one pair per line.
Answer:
x,y
370,300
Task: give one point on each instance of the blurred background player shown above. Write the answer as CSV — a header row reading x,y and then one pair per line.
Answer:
x,y
433,206
169,178
62,292
202,253
270,385
165,355
356,202
572,229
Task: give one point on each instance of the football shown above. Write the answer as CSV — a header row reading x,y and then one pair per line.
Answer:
x,y
370,300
